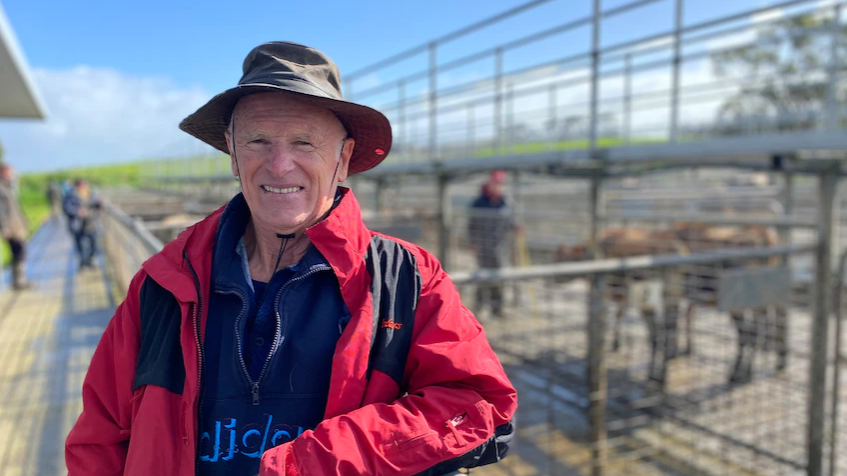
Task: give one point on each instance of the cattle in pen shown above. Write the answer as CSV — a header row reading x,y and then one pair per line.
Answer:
x,y
696,285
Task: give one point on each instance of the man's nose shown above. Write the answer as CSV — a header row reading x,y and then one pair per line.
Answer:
x,y
281,162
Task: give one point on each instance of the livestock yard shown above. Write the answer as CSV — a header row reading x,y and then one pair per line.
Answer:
x,y
685,348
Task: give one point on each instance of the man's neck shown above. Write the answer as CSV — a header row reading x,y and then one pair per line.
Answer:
x,y
263,248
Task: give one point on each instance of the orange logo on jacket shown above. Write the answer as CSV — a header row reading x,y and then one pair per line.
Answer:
x,y
390,324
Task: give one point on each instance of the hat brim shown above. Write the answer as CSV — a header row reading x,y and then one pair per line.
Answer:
x,y
369,127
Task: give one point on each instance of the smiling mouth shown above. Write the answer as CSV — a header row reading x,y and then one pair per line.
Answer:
x,y
270,189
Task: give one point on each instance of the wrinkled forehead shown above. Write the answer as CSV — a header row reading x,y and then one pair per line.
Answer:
x,y
281,110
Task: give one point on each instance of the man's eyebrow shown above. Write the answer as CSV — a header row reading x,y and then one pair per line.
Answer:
x,y
252,133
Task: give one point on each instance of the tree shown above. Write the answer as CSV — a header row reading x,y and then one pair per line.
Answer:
x,y
782,76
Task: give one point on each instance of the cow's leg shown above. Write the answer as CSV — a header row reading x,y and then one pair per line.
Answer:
x,y
655,373
743,327
738,321
671,324
620,295
781,337
760,324
766,330
689,330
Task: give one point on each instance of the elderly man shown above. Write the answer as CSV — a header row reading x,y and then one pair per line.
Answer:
x,y
279,336
13,226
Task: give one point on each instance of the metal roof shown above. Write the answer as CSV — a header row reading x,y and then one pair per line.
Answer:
x,y
19,97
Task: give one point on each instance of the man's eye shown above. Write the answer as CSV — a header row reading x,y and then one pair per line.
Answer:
x,y
301,142
258,141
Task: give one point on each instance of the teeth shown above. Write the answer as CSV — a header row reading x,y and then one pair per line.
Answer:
x,y
281,190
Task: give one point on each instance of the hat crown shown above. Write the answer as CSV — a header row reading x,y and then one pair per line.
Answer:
x,y
282,59
307,74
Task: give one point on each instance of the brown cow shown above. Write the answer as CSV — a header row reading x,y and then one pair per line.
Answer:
x,y
701,290
628,242
696,287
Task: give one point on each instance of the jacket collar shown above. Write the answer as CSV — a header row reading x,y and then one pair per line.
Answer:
x,y
230,265
341,238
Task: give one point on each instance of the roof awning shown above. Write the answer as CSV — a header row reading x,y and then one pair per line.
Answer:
x,y
19,97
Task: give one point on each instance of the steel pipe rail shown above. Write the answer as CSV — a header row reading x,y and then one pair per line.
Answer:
x,y
635,263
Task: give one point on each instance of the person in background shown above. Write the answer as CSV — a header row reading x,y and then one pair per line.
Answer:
x,y
67,190
54,197
490,230
13,226
82,208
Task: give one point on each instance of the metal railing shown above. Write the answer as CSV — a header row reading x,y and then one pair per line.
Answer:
x,y
478,118
127,245
584,106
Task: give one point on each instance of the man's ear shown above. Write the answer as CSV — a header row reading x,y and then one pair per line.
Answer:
x,y
346,154
229,145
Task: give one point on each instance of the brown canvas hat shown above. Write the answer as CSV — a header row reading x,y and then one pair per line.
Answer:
x,y
309,74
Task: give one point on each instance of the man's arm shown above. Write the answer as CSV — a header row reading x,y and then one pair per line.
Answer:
x,y
97,444
458,393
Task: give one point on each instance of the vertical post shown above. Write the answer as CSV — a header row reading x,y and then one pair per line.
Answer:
x,y
595,205
498,100
832,72
471,137
510,126
519,242
627,98
433,102
401,114
595,77
787,199
836,368
597,383
677,47
443,222
828,183
553,112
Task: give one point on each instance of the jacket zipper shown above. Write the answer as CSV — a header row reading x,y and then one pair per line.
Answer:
x,y
278,337
198,311
253,385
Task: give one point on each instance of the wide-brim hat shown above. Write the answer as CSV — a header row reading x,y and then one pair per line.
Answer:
x,y
310,75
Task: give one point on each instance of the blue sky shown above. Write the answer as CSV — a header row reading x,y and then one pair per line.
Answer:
x,y
118,76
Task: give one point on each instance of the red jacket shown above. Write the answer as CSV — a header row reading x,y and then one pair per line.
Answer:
x,y
457,389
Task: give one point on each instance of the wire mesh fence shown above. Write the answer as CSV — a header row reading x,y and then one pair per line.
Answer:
x,y
693,383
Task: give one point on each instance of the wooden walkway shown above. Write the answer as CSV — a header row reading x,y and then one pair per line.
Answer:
x,y
47,337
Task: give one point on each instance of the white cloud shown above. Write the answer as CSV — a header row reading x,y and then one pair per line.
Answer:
x,y
98,115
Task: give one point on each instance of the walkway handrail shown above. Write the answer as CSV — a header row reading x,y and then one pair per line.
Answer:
x,y
127,245
605,266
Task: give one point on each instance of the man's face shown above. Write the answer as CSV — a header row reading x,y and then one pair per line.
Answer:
x,y
495,189
287,153
7,173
